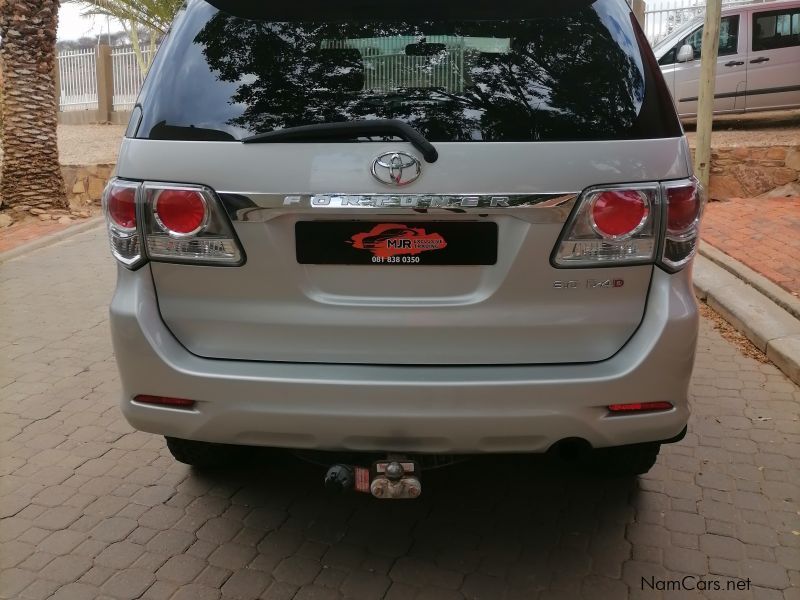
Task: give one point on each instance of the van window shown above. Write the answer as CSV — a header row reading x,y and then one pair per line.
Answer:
x,y
776,29
728,41
575,73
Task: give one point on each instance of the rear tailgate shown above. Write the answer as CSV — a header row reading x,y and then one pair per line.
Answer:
x,y
528,104
518,310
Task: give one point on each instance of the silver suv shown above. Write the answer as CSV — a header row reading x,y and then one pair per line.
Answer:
x,y
435,230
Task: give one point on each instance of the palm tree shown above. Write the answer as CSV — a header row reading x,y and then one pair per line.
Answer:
x,y
155,16
31,174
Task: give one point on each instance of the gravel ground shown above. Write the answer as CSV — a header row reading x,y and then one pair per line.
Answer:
x,y
89,144
772,136
772,128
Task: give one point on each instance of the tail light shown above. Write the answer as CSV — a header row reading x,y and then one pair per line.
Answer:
x,y
181,213
685,201
621,225
612,225
619,213
165,222
122,207
119,207
185,223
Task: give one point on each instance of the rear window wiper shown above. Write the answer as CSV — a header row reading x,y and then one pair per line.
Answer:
x,y
349,129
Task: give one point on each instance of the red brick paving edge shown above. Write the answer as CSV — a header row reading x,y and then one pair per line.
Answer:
x,y
22,243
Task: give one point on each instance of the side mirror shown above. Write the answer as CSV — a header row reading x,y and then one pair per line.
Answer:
x,y
686,53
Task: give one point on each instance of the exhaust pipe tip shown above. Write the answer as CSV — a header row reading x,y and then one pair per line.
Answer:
x,y
339,479
571,449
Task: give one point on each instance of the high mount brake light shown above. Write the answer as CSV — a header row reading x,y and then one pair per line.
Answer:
x,y
621,225
119,208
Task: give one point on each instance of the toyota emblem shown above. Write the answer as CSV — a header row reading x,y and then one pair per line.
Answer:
x,y
396,168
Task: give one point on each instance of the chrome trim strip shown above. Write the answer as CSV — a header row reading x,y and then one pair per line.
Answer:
x,y
258,207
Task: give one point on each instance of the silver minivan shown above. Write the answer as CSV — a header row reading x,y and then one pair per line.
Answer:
x,y
759,59
429,229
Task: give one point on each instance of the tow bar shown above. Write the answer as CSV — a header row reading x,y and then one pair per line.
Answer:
x,y
392,479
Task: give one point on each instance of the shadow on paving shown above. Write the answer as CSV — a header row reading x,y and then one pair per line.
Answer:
x,y
514,522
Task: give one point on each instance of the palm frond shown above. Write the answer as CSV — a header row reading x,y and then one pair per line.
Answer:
x,y
156,15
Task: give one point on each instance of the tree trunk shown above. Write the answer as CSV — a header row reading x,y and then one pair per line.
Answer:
x,y
31,174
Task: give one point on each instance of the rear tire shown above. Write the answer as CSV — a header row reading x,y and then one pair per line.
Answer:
x,y
625,461
205,455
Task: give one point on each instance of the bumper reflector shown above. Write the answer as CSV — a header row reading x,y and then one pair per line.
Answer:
x,y
164,401
639,407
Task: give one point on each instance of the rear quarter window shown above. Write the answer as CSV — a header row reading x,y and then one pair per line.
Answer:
x,y
577,73
776,29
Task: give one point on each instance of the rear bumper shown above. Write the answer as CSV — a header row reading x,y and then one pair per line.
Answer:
x,y
433,409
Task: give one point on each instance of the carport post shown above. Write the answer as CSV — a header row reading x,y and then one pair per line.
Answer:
x,y
705,103
105,84
639,7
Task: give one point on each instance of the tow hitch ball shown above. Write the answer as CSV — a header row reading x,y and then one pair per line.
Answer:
x,y
391,479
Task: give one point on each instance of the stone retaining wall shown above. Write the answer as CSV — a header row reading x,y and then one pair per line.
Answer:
x,y
85,184
749,171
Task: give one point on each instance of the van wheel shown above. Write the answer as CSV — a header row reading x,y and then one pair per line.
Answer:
x,y
624,461
205,455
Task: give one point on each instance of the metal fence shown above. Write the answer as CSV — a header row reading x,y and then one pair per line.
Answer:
x,y
77,71
77,75
390,72
394,62
128,76
671,14
658,24
385,68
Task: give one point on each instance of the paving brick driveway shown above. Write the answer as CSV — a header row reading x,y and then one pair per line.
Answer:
x,y
762,233
92,509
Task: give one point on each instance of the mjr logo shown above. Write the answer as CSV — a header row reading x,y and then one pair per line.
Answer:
x,y
392,239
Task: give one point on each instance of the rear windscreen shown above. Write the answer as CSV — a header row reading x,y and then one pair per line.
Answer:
x,y
570,74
